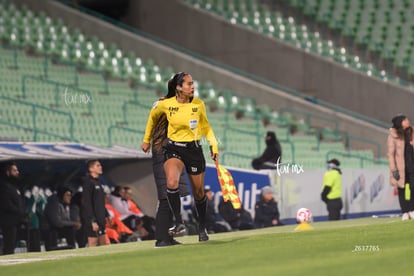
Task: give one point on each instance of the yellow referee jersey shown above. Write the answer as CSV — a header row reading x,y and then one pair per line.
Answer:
x,y
187,122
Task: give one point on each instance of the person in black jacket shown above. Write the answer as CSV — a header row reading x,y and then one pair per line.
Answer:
x,y
266,210
93,211
12,212
75,205
59,217
271,155
238,219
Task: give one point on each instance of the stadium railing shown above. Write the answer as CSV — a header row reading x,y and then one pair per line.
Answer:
x,y
292,92
34,126
57,85
363,160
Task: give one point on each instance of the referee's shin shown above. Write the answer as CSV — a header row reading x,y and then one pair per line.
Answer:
x,y
201,206
174,201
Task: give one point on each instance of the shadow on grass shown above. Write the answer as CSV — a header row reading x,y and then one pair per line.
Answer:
x,y
222,241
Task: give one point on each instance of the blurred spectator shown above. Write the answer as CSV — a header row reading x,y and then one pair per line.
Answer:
x,y
133,207
93,211
145,225
60,220
116,230
80,235
271,155
266,210
143,229
120,203
11,207
115,197
239,219
35,202
332,189
400,155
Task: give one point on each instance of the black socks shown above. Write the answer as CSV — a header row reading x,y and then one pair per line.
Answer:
x,y
163,220
201,206
173,196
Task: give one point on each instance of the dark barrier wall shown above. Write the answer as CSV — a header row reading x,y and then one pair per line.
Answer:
x,y
137,175
252,52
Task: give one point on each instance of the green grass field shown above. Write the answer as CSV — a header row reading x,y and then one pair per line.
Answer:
x,y
369,246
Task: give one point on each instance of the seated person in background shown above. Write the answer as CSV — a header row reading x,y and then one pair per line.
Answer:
x,y
213,224
133,207
118,201
75,203
239,219
266,210
145,225
116,230
271,154
115,197
58,218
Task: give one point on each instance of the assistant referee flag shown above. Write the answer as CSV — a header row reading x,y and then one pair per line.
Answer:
x,y
228,188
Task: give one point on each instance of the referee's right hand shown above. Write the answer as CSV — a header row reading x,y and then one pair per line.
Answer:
x,y
214,156
145,147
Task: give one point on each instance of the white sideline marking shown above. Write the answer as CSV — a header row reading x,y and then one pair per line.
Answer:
x,y
30,260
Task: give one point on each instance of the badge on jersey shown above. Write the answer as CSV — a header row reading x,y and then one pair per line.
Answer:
x,y
193,124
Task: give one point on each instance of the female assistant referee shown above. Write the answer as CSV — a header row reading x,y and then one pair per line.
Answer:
x,y
187,123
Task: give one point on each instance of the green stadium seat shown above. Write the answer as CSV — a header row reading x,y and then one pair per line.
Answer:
x,y
106,73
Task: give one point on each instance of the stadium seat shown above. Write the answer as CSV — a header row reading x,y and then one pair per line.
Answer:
x,y
54,55
374,26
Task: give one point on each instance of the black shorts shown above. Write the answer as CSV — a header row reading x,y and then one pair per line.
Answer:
x,y
190,153
94,234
